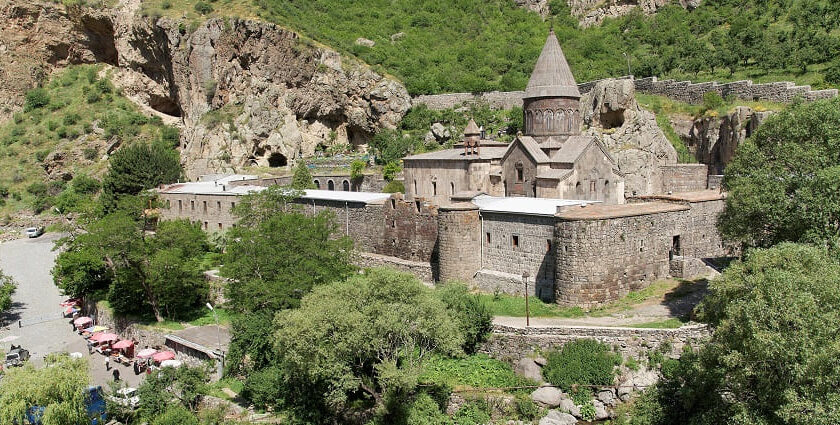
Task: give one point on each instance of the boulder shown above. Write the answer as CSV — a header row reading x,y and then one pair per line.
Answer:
x,y
528,368
440,132
625,389
540,360
610,113
600,411
548,396
556,417
361,41
643,379
607,397
569,406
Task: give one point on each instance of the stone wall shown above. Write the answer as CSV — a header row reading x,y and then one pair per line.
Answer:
x,y
533,251
459,243
361,222
410,230
603,253
684,91
684,177
426,272
715,181
513,343
124,327
212,212
369,183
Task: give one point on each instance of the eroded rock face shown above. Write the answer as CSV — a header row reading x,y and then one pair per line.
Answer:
x,y
713,140
611,113
243,92
593,12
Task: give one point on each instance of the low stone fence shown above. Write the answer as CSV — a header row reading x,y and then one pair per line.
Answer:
x,y
125,328
423,271
684,91
512,343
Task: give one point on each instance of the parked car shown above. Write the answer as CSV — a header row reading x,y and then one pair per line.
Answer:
x,y
16,357
34,232
126,397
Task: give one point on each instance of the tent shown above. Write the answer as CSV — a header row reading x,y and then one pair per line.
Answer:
x,y
123,344
146,353
163,355
97,328
104,337
82,321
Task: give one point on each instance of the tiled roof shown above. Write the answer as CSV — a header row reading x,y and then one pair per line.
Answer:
x,y
552,76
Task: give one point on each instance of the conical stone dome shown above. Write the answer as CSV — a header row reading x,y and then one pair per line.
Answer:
x,y
472,128
552,76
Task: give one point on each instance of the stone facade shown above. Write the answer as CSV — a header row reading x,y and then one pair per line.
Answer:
x,y
684,178
459,228
513,244
603,253
212,212
340,182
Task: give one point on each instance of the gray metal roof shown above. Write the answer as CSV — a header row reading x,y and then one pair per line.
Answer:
x,y
338,195
485,153
552,76
528,206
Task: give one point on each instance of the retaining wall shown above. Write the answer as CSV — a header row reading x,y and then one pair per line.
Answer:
x,y
684,91
512,343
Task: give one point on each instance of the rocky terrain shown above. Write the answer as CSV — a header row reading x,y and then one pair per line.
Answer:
x,y
593,12
713,140
243,92
611,113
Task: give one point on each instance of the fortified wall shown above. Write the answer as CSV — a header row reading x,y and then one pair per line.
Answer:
x,y
584,254
683,91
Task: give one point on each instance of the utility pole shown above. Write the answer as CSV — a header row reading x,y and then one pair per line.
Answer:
x,y
525,276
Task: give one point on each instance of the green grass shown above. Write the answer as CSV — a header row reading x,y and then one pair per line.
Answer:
x,y
659,324
208,319
60,117
509,305
215,389
475,372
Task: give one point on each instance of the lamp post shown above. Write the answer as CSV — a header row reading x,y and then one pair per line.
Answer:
x,y
218,339
525,276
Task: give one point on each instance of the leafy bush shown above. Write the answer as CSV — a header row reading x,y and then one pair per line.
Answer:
x,y
712,100
357,168
37,188
176,415
4,191
36,98
203,8
262,387
395,186
527,409
473,316
476,371
390,170
581,362
83,183
473,413
424,410
90,153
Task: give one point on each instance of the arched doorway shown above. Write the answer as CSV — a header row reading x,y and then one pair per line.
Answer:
x,y
345,186
277,160
330,185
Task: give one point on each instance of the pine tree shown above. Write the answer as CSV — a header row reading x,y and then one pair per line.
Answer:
x,y
302,179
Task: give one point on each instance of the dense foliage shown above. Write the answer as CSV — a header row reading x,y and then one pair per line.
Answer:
x,y
772,357
7,288
59,388
784,182
282,256
358,345
181,387
473,45
302,178
581,362
76,113
141,273
137,167
470,312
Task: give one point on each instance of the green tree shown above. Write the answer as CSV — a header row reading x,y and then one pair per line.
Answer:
x,y
170,387
7,288
302,178
59,388
357,169
784,182
137,167
176,415
474,317
81,271
771,358
359,344
282,257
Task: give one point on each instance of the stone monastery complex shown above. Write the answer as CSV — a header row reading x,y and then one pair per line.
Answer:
x,y
548,210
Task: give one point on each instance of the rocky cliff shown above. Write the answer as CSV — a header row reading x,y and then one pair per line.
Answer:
x,y
611,113
713,140
593,12
243,92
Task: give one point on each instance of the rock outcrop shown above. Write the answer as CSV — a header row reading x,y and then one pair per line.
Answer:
x,y
593,12
611,113
244,92
713,140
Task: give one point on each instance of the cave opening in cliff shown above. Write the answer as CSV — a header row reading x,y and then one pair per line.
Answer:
x,y
277,160
612,119
164,105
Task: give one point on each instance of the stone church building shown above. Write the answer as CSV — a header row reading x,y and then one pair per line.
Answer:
x,y
551,159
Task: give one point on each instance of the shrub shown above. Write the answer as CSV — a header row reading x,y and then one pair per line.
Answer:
x,y
40,156
170,135
473,413
37,188
390,170
210,86
581,362
526,409
357,168
83,183
203,8
712,101
90,153
165,4
424,411
36,98
263,387
474,317
4,192
71,118
176,415
394,187
832,74
52,125
41,203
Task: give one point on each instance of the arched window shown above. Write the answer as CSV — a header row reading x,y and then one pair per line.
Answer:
x,y
434,188
415,187
317,184
330,185
451,188
345,186
549,120
569,120
579,189
520,172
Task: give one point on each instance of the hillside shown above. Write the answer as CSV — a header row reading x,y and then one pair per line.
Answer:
x,y
473,45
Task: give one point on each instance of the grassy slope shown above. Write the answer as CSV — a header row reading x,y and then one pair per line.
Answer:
x,y
479,45
84,113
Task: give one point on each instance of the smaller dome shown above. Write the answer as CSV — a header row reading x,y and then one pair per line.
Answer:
x,y
472,129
